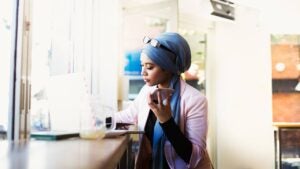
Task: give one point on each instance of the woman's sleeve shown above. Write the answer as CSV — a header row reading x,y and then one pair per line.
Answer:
x,y
180,143
190,145
196,127
129,114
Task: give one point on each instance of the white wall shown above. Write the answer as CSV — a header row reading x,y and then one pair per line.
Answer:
x,y
239,93
281,16
106,50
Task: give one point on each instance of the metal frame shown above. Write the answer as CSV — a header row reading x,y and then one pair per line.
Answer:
x,y
20,85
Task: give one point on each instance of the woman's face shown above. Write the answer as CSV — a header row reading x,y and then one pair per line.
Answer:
x,y
153,74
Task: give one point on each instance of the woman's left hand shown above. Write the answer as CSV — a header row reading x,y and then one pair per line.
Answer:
x,y
161,108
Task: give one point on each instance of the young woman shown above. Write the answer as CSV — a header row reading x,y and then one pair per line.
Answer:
x,y
175,127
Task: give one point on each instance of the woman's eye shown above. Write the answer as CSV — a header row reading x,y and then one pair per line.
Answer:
x,y
149,67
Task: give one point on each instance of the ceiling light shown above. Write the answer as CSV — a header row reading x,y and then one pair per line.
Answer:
x,y
223,8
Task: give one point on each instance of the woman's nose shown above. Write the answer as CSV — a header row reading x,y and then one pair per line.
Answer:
x,y
143,72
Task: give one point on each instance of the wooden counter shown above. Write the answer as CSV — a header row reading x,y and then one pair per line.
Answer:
x,y
65,154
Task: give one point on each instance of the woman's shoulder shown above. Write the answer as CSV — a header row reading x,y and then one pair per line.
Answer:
x,y
188,91
192,100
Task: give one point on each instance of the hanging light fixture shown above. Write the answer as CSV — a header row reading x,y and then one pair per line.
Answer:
x,y
223,8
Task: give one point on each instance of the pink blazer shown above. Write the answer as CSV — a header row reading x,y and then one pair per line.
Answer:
x,y
193,123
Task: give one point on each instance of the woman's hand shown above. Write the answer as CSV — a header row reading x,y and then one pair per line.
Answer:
x,y
161,108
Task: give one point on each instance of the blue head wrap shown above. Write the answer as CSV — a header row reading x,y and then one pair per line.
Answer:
x,y
166,59
177,59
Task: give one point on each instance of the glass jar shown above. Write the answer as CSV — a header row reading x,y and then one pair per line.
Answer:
x,y
96,118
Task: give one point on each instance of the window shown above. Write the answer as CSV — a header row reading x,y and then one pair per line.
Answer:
x,y
61,53
6,11
285,51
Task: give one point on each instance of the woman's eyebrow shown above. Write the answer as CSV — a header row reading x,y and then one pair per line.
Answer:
x,y
148,63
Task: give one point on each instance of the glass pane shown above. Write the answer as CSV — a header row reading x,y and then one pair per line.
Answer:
x,y
195,76
59,62
5,56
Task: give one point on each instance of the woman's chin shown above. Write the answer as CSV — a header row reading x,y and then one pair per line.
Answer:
x,y
149,84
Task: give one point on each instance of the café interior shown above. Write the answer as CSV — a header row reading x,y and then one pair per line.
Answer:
x,y
63,60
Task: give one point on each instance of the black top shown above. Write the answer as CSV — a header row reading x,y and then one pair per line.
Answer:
x,y
180,143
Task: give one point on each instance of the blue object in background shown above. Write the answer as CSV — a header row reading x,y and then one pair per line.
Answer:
x,y
133,63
